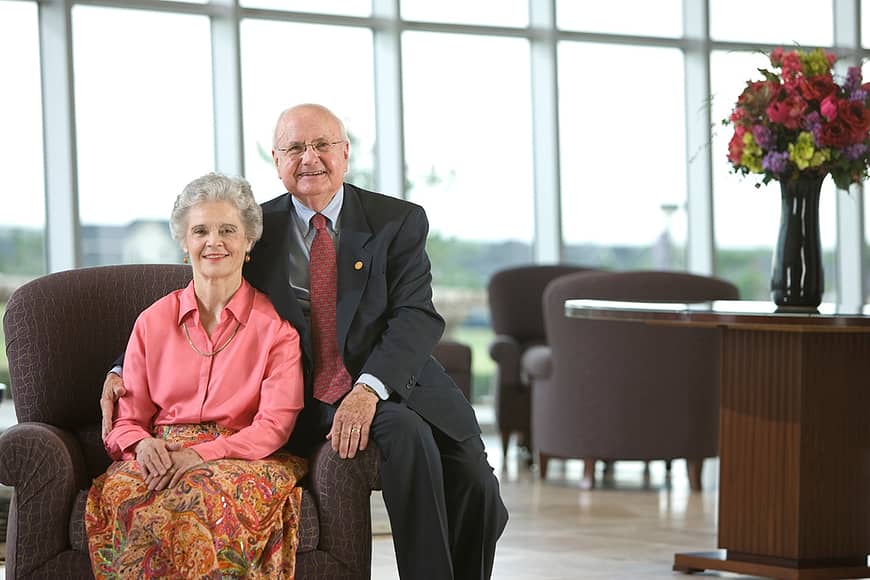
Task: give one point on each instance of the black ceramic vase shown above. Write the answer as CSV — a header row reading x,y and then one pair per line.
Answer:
x,y
798,280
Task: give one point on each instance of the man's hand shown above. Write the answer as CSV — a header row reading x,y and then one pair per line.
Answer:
x,y
113,389
350,427
183,460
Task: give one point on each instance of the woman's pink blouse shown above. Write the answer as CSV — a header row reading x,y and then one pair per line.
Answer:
x,y
254,386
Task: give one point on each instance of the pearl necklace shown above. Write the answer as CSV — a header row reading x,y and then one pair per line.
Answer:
x,y
217,350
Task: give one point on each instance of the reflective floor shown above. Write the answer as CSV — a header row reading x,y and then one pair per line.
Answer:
x,y
630,527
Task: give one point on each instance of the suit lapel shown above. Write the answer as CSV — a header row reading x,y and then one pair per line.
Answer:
x,y
354,261
269,269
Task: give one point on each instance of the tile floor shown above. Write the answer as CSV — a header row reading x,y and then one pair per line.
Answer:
x,y
628,528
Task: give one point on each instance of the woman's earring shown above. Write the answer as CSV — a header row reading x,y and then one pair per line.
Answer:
x,y
247,256
185,259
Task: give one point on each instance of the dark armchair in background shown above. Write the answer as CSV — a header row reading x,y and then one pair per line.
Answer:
x,y
515,313
62,333
623,390
455,357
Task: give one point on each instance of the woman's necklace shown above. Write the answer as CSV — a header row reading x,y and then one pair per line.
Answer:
x,y
217,350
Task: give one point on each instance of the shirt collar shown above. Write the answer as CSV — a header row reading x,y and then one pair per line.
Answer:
x,y
239,306
331,211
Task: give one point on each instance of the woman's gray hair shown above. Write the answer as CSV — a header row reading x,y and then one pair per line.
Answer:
x,y
218,187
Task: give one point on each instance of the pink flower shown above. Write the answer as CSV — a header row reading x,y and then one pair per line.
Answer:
x,y
776,56
787,112
735,146
791,66
829,108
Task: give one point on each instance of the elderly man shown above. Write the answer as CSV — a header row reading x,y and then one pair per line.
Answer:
x,y
348,268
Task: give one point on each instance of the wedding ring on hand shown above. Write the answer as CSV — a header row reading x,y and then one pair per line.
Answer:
x,y
355,429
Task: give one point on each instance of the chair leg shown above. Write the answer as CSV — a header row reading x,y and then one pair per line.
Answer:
x,y
543,461
694,468
530,458
505,441
588,481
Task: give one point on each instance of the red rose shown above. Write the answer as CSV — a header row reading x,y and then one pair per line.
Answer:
x,y
836,134
856,119
817,87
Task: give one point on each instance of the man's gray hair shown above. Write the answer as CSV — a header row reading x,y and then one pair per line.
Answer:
x,y
218,187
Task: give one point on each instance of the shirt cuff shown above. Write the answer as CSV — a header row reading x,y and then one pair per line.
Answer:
x,y
375,383
117,369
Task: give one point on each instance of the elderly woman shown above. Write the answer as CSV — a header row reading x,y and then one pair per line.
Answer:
x,y
214,385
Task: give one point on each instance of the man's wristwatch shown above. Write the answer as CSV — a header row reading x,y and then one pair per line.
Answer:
x,y
370,390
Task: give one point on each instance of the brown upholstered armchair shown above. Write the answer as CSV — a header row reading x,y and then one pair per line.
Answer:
x,y
62,333
622,390
515,314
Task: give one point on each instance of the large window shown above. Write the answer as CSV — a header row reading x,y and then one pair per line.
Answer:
x,y
627,183
487,12
623,156
348,7
865,26
145,127
747,218
659,18
783,22
22,195
468,147
330,65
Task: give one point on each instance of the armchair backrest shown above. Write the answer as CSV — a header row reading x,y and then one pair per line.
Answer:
x,y
629,390
514,299
64,330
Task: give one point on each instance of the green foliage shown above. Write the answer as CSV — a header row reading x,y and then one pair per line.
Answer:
x,y
482,366
22,251
466,264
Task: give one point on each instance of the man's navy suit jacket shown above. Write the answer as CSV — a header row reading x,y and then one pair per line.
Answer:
x,y
386,322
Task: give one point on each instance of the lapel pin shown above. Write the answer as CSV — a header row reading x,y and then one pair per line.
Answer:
x,y
358,265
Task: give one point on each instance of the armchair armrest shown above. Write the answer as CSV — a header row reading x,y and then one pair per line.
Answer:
x,y
46,466
506,351
342,489
537,363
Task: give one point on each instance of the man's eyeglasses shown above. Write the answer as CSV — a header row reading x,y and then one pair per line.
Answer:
x,y
297,150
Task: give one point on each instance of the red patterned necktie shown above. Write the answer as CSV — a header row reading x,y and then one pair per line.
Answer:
x,y
331,379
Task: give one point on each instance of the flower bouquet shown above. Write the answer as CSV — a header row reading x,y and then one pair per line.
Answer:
x,y
799,120
796,126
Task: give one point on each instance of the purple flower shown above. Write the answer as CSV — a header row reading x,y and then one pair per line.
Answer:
x,y
853,79
858,95
813,123
775,163
854,152
762,136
